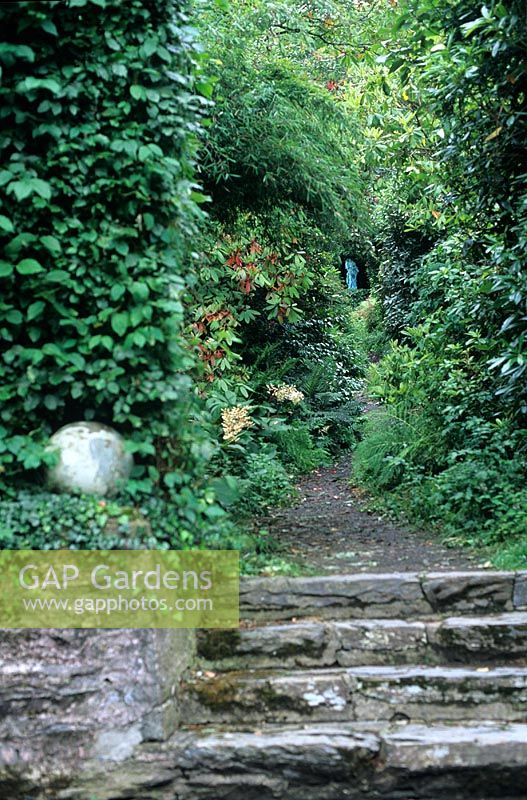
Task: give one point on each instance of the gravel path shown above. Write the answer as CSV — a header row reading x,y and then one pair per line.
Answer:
x,y
330,530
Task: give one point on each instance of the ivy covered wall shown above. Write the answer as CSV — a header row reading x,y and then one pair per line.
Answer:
x,y
99,120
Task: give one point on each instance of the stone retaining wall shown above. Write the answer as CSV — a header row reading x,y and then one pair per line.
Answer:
x,y
71,695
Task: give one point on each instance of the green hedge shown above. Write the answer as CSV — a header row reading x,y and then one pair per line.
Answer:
x,y
99,118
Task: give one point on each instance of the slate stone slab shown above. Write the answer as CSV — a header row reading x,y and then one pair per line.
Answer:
x,y
469,591
519,599
329,762
439,694
323,643
380,642
311,762
503,636
301,643
351,643
419,748
389,596
354,596
361,694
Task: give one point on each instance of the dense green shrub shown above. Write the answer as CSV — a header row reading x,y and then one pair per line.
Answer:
x,y
446,446
248,280
298,449
278,137
481,500
400,252
99,117
381,458
46,521
474,495
264,483
371,333
449,447
466,63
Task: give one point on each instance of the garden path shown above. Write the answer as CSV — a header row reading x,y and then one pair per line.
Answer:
x,y
331,528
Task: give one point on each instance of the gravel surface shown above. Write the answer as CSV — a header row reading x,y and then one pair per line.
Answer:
x,y
329,529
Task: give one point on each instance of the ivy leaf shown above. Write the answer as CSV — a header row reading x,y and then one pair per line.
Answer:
x,y
18,50
117,291
21,189
49,26
51,402
42,188
6,269
57,275
14,316
21,241
148,150
139,291
35,310
6,224
120,323
28,186
149,47
30,83
138,92
120,69
52,244
77,360
29,266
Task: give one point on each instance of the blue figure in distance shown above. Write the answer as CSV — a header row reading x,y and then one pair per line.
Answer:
x,y
352,271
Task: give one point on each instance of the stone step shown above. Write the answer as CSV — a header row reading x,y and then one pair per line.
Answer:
x,y
360,694
316,643
395,595
324,762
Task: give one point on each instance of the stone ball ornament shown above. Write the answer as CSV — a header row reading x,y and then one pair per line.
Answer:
x,y
92,459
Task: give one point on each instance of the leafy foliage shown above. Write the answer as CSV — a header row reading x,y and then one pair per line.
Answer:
x,y
266,483
391,133
278,137
99,121
471,63
450,444
298,449
243,276
47,521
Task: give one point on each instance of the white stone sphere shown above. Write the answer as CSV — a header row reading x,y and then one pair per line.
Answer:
x,y
92,459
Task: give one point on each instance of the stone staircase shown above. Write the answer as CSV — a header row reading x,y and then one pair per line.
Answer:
x,y
401,686
357,687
